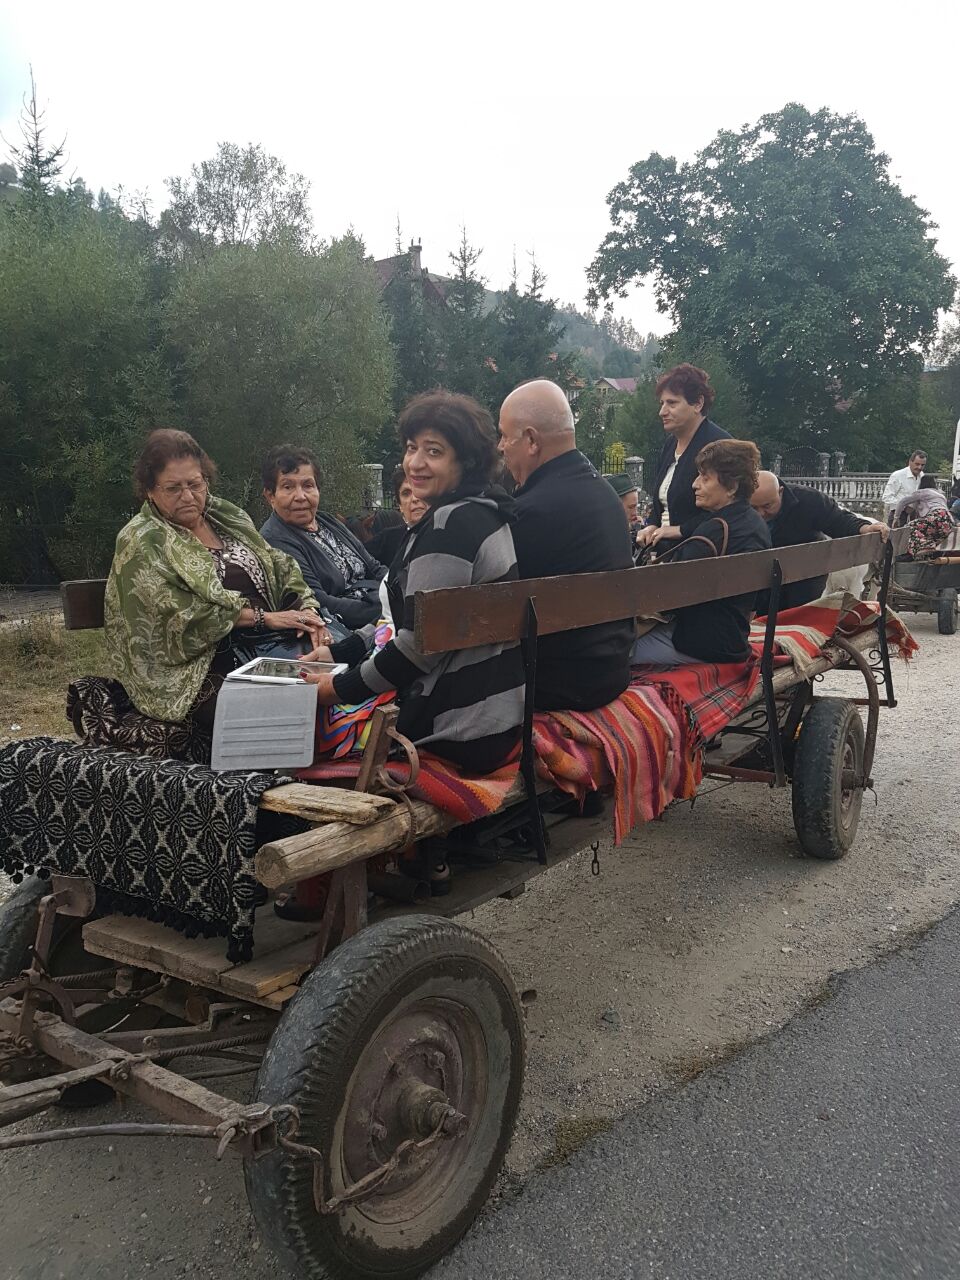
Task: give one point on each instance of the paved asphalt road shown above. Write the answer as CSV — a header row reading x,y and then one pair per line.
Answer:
x,y
830,1150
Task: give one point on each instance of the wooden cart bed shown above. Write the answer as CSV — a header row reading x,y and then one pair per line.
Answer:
x,y
348,825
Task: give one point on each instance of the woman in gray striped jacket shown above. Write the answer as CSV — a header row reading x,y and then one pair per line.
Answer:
x,y
465,705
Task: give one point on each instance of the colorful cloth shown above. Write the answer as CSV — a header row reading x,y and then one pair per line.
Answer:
x,y
170,841
708,694
802,632
466,797
634,744
342,729
929,531
165,607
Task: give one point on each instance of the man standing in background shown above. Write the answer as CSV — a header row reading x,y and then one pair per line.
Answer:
x,y
903,482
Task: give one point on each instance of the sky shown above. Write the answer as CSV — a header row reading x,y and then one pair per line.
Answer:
x,y
512,119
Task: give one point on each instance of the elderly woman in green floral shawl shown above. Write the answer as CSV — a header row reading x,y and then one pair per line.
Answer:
x,y
190,576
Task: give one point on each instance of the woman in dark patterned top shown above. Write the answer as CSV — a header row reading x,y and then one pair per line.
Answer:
x,y
336,566
464,705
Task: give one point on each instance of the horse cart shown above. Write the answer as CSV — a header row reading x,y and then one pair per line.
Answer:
x,y
388,1039
930,584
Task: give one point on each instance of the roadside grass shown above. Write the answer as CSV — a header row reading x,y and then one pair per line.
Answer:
x,y
38,659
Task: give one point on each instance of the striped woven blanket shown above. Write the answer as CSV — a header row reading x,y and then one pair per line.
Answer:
x,y
638,745
647,743
465,796
802,632
710,695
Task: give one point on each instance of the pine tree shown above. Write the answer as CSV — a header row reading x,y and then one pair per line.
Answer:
x,y
466,327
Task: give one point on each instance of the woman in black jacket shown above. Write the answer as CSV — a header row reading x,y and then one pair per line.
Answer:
x,y
336,566
717,630
685,396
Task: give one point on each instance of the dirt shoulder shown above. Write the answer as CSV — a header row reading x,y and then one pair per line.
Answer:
x,y
702,933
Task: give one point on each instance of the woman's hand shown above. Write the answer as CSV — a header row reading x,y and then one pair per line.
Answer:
x,y
665,531
320,654
325,691
302,621
645,535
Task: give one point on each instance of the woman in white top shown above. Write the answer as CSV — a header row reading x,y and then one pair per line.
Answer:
x,y
685,397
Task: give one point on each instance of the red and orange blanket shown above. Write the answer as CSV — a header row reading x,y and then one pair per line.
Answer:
x,y
646,745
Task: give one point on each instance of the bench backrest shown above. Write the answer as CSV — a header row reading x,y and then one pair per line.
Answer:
x,y
82,602
459,617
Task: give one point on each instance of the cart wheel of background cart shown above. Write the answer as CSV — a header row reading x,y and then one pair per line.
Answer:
x,y
409,1020
18,929
826,812
947,609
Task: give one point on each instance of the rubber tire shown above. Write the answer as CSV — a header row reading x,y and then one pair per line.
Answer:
x,y
340,1008
825,831
18,929
18,925
947,611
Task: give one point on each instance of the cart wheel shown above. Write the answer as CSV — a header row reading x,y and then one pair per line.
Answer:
x,y
18,929
18,926
947,610
826,806
411,1017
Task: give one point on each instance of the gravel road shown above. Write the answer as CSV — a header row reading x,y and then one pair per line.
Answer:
x,y
703,933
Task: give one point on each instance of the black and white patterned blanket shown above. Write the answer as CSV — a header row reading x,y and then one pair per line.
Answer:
x,y
171,841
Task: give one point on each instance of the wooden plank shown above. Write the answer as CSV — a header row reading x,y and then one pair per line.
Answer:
x,y
263,975
326,804
338,843
148,945
277,999
82,601
460,617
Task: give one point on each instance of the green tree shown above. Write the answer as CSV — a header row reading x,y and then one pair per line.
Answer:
x,y
525,338
595,413
40,163
78,384
883,427
415,326
466,329
789,245
945,376
274,344
241,196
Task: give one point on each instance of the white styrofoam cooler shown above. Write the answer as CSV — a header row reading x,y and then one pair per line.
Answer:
x,y
264,725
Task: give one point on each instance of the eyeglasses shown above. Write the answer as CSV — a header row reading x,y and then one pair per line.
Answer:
x,y
196,487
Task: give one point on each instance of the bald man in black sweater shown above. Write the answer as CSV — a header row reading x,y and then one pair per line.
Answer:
x,y
568,520
796,515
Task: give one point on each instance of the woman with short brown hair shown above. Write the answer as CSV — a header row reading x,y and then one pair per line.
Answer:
x,y
194,590
685,396
717,630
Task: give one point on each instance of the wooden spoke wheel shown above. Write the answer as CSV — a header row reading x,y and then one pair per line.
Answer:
x,y
408,1040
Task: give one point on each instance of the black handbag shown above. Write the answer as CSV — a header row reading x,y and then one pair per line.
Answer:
x,y
246,645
